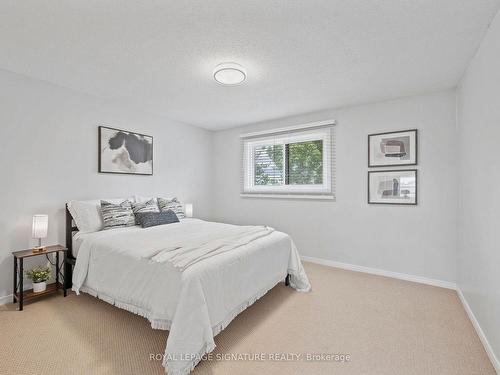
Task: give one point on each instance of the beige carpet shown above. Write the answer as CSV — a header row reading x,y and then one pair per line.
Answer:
x,y
387,326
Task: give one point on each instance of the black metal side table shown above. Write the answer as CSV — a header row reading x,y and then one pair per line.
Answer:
x,y
21,295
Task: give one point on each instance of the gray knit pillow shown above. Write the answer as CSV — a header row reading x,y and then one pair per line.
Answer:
x,y
171,204
149,206
117,215
151,219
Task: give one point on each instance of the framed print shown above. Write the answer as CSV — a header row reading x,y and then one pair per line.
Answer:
x,y
392,187
392,148
122,151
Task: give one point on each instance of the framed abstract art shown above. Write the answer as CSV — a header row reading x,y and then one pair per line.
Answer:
x,y
392,148
392,187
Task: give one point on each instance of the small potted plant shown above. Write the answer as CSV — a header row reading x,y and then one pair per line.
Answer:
x,y
39,275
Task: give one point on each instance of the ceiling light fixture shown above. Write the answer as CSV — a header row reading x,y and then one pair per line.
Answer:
x,y
229,74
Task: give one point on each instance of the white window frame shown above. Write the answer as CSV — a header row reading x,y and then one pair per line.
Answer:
x,y
308,132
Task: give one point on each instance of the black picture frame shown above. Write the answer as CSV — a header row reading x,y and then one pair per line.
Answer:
x,y
99,151
370,165
415,172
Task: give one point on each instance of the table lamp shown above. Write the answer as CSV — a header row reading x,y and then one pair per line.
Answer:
x,y
188,210
39,230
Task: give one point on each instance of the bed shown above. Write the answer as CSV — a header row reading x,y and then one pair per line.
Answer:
x,y
126,267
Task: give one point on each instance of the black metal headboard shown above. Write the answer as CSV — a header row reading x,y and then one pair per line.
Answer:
x,y
70,259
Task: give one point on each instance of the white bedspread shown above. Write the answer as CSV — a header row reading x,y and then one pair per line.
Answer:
x,y
198,299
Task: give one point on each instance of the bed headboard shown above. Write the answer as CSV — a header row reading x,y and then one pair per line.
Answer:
x,y
71,228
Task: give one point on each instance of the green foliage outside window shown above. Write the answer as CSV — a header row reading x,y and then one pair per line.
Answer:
x,y
305,163
291,164
269,165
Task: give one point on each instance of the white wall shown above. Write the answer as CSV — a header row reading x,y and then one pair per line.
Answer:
x,y
479,200
417,240
49,155
49,151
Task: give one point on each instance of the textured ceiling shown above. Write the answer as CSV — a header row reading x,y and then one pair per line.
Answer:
x,y
301,56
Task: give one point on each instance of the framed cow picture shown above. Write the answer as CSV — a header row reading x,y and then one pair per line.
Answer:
x,y
392,148
125,152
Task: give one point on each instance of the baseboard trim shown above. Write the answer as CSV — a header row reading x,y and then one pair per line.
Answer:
x,y
484,340
5,299
380,272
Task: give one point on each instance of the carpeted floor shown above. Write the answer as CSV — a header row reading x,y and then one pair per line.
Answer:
x,y
386,326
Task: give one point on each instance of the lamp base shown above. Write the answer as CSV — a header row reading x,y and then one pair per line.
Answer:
x,y
39,249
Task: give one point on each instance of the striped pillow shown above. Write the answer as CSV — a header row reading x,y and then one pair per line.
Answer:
x,y
149,206
117,215
171,204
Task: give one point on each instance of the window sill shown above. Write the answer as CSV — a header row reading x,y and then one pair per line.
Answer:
x,y
289,196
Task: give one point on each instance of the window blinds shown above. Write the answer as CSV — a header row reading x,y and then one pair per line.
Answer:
x,y
290,162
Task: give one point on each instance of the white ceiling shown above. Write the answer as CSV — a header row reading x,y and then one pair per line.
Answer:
x,y
301,56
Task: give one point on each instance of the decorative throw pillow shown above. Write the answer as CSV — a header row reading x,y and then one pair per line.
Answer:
x,y
149,206
87,214
117,215
151,219
171,204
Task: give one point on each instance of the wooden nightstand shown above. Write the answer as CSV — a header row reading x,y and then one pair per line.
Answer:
x,y
19,256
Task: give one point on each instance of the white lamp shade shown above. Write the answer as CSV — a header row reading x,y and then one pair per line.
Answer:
x,y
40,226
188,210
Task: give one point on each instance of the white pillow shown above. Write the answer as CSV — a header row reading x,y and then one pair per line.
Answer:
x,y
87,214
141,199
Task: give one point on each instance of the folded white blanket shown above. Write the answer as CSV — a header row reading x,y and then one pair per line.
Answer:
x,y
183,255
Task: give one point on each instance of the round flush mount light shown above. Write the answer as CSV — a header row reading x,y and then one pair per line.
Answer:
x,y
229,74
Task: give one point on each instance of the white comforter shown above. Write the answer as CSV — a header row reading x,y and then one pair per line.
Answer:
x,y
197,301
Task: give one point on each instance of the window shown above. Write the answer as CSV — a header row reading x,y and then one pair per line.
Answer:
x,y
291,162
